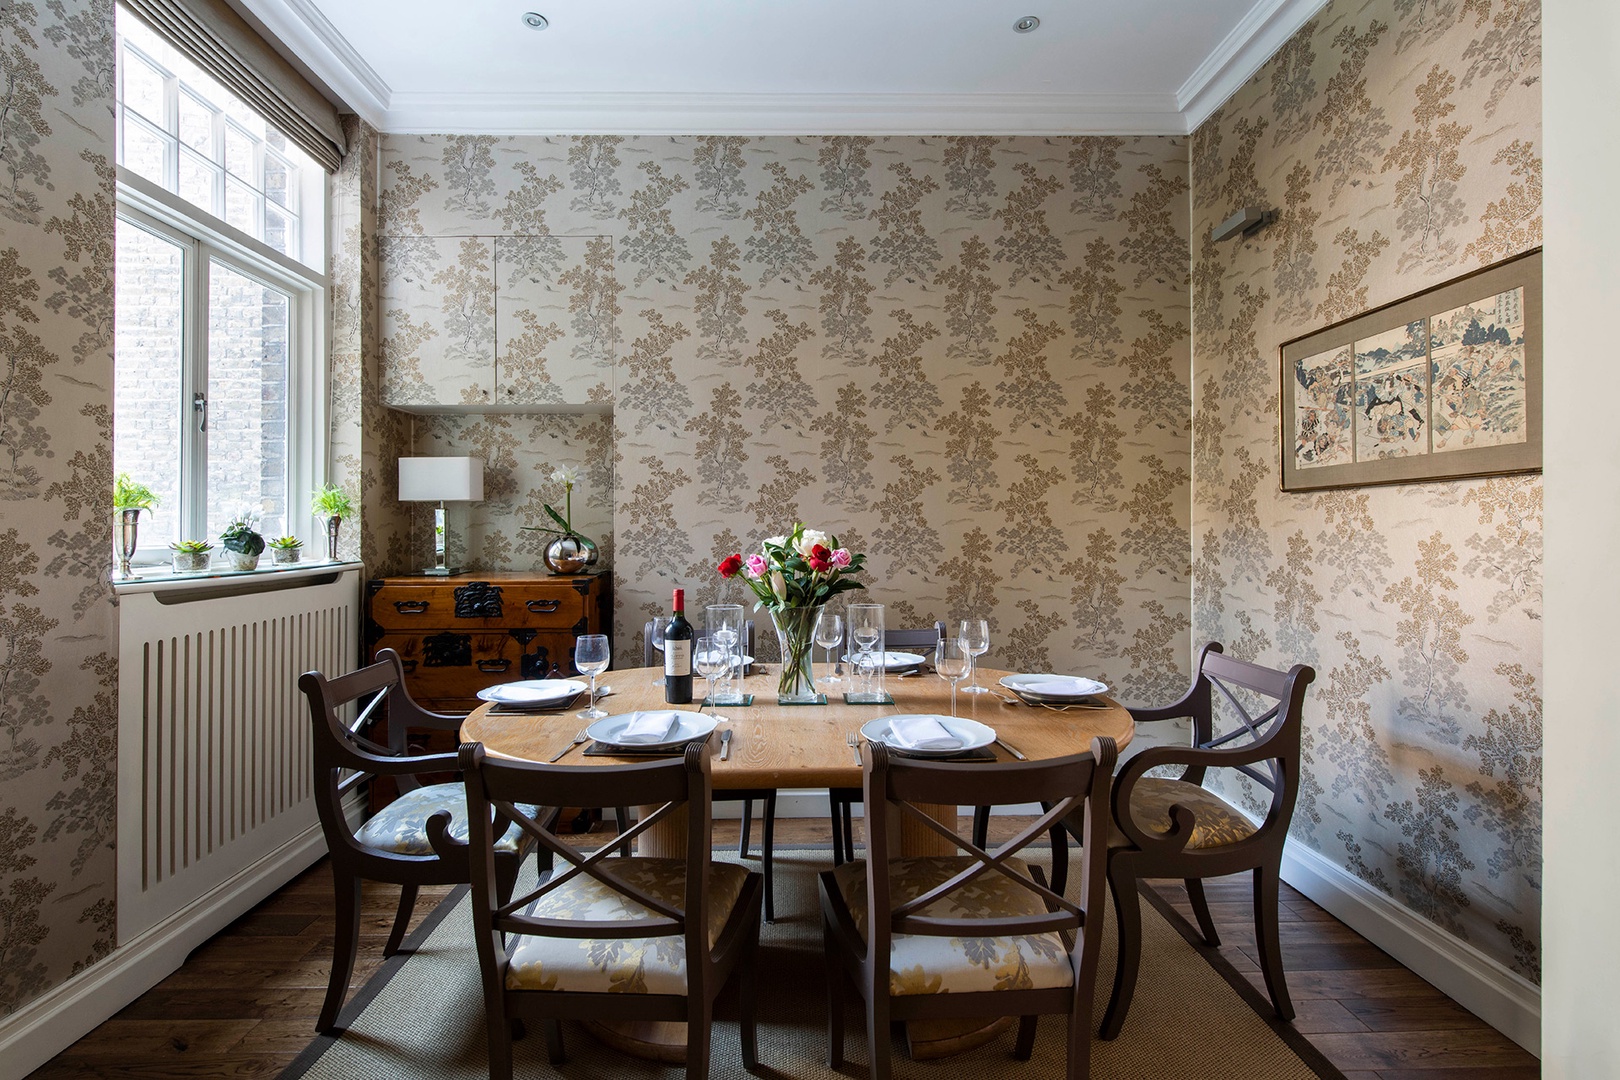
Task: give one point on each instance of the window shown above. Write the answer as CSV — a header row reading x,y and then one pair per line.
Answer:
x,y
218,395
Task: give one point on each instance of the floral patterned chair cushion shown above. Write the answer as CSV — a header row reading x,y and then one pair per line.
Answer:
x,y
647,965
1215,822
925,964
401,826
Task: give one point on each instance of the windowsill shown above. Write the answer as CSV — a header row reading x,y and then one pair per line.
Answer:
x,y
162,579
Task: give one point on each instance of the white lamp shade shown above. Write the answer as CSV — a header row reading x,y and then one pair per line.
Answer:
x,y
441,479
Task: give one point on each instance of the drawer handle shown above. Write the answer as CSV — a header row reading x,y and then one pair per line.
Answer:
x,y
411,607
544,607
493,667
408,665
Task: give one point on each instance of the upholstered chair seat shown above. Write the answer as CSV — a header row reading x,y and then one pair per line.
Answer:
x,y
929,964
1215,821
646,965
401,826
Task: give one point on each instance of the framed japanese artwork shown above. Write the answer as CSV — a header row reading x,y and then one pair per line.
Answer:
x,y
1442,384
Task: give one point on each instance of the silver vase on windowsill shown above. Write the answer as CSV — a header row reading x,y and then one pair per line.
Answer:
x,y
129,526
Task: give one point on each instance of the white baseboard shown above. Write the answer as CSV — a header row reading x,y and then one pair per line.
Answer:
x,y
57,1019
1502,998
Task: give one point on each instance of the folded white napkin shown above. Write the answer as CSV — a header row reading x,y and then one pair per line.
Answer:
x,y
921,733
649,727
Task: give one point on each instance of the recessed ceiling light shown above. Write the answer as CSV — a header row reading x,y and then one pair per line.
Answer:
x,y
534,20
1026,24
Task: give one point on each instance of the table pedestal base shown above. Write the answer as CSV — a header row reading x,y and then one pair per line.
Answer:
x,y
942,1038
655,1040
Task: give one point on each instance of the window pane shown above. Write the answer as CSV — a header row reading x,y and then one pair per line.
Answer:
x,y
239,153
278,230
146,385
248,340
197,125
241,207
197,182
143,88
143,149
278,181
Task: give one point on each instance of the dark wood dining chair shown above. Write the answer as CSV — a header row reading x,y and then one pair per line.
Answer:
x,y
766,796
418,839
977,934
623,939
840,801
1177,828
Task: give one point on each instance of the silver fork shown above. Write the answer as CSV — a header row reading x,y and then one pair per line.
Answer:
x,y
854,742
558,756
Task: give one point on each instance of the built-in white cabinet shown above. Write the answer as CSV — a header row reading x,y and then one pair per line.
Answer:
x,y
486,323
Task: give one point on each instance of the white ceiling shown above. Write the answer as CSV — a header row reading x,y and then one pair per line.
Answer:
x,y
783,66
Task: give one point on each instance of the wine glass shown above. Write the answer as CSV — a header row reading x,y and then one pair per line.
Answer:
x,y
660,623
975,637
591,655
830,634
951,661
866,630
710,658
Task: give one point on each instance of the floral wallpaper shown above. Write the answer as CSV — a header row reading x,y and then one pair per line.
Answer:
x,y
968,357
58,657
1400,141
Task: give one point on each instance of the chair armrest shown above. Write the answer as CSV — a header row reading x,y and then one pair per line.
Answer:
x,y
405,766
1182,819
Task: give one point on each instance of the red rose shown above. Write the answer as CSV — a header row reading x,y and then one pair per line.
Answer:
x,y
731,566
819,553
820,566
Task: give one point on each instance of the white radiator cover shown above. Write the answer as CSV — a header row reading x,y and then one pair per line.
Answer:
x,y
214,765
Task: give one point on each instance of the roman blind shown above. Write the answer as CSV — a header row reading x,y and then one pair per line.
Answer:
x,y
221,42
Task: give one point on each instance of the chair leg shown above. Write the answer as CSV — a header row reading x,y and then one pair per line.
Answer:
x,y
835,998
555,1052
766,854
1266,887
621,814
1025,1046
699,1028
1128,916
346,943
835,806
877,1033
499,1033
402,919
1060,854
981,825
747,995
747,828
1200,906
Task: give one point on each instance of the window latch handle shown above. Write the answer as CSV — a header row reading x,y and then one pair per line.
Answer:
x,y
199,405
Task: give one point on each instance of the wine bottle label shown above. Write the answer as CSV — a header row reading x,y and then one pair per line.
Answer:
x,y
677,658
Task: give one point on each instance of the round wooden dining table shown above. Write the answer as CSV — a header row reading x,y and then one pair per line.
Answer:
x,y
803,746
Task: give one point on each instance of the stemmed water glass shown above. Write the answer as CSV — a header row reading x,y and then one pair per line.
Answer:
x,y
710,658
660,623
830,634
591,655
951,663
975,638
865,628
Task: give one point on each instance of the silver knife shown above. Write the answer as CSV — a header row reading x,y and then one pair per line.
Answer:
x,y
725,744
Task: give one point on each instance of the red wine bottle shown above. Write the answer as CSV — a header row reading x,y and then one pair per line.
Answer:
x,y
678,654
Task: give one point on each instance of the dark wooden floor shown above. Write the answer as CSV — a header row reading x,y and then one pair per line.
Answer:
x,y
244,1004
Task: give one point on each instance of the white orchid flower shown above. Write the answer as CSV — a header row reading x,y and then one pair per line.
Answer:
x,y
567,474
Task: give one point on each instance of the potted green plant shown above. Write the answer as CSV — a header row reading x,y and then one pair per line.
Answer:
x,y
568,552
130,497
331,504
285,549
241,540
191,556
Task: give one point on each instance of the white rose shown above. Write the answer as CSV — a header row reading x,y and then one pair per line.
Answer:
x,y
810,539
567,474
778,541
778,585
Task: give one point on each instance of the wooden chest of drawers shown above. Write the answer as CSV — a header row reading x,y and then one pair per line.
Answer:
x,y
460,634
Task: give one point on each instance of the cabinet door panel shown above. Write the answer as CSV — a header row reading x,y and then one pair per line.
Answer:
x,y
556,333
438,320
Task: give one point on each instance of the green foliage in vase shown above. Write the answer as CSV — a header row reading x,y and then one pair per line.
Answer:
x,y
331,501
131,494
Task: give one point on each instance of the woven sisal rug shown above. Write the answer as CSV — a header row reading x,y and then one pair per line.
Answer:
x,y
422,1015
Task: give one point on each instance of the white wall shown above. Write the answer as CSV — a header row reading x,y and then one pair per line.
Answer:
x,y
1581,947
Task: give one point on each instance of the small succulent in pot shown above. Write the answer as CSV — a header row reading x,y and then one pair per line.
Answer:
x,y
285,549
191,556
241,540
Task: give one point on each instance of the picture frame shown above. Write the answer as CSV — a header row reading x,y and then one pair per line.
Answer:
x,y
1440,385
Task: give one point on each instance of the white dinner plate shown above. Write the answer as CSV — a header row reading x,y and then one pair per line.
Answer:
x,y
972,733
689,726
532,692
894,661
1055,687
746,659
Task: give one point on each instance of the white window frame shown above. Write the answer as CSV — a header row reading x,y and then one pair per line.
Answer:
x,y
208,239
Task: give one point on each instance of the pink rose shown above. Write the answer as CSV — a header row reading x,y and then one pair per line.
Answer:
x,y
755,566
840,558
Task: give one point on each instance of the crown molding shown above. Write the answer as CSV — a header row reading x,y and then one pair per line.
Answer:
x,y
783,114
301,27
1253,41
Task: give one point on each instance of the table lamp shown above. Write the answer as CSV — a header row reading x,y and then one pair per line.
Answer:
x,y
441,480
